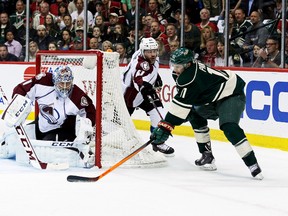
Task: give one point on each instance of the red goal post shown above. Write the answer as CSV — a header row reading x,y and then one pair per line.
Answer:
x,y
98,74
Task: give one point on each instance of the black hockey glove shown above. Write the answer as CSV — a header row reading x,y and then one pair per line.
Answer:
x,y
161,133
148,90
158,83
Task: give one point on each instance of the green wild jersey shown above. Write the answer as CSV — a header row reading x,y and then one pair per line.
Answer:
x,y
201,85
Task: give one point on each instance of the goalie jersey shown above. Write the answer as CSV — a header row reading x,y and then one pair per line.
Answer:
x,y
55,111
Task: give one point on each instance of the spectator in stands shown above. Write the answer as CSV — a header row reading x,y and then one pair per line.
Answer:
x,y
52,46
239,32
209,57
32,51
269,57
21,32
152,9
147,25
233,60
39,19
69,24
66,40
256,34
17,17
126,5
5,26
121,49
97,34
171,32
109,7
51,27
164,56
107,45
113,20
157,34
174,45
206,33
99,22
93,44
98,9
77,44
54,7
192,35
205,20
166,8
14,47
72,6
213,6
5,55
234,4
119,35
256,50
221,24
35,7
80,12
42,38
62,11
130,14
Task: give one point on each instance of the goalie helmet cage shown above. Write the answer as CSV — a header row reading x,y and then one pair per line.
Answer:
x,y
115,133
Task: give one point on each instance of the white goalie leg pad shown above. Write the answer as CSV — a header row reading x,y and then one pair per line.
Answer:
x,y
202,135
83,130
17,111
7,149
243,148
74,154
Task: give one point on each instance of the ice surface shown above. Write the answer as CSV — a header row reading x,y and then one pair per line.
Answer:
x,y
179,189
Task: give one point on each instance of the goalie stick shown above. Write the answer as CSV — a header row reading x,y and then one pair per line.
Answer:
x,y
24,139
75,178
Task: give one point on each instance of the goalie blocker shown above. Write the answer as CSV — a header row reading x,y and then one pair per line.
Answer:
x,y
76,154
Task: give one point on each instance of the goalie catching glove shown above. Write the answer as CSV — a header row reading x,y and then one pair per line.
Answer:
x,y
161,133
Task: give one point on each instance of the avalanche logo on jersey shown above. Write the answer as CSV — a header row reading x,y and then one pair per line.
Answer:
x,y
48,113
145,66
84,101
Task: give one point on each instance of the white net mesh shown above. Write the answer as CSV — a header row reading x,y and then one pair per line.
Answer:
x,y
119,136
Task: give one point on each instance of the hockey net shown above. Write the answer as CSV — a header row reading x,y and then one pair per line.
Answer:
x,y
115,133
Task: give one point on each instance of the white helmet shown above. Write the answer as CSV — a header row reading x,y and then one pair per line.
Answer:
x,y
148,44
62,78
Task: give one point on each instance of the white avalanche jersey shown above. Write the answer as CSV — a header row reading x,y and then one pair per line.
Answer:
x,y
138,71
54,110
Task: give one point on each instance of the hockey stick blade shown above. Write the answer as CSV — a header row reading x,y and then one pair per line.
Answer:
x,y
75,178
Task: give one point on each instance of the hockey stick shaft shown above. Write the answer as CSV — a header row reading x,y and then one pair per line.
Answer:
x,y
154,105
75,178
24,139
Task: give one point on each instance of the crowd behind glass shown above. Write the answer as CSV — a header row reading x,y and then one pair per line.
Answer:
x,y
254,29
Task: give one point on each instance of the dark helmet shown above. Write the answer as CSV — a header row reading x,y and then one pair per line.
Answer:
x,y
181,56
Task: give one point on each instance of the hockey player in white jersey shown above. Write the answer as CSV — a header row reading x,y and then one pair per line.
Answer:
x,y
66,113
140,81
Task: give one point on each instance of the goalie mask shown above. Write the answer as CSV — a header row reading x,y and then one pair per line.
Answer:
x,y
63,80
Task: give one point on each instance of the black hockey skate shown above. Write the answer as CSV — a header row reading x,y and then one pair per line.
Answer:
x,y
165,149
256,171
207,161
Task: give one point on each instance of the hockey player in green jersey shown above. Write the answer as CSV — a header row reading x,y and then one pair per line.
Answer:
x,y
206,93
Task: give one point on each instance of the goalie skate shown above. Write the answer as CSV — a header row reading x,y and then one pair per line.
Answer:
x,y
206,162
256,171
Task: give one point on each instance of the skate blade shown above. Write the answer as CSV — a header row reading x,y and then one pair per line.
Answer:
x,y
169,155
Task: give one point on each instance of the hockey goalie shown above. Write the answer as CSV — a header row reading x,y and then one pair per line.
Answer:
x,y
64,126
